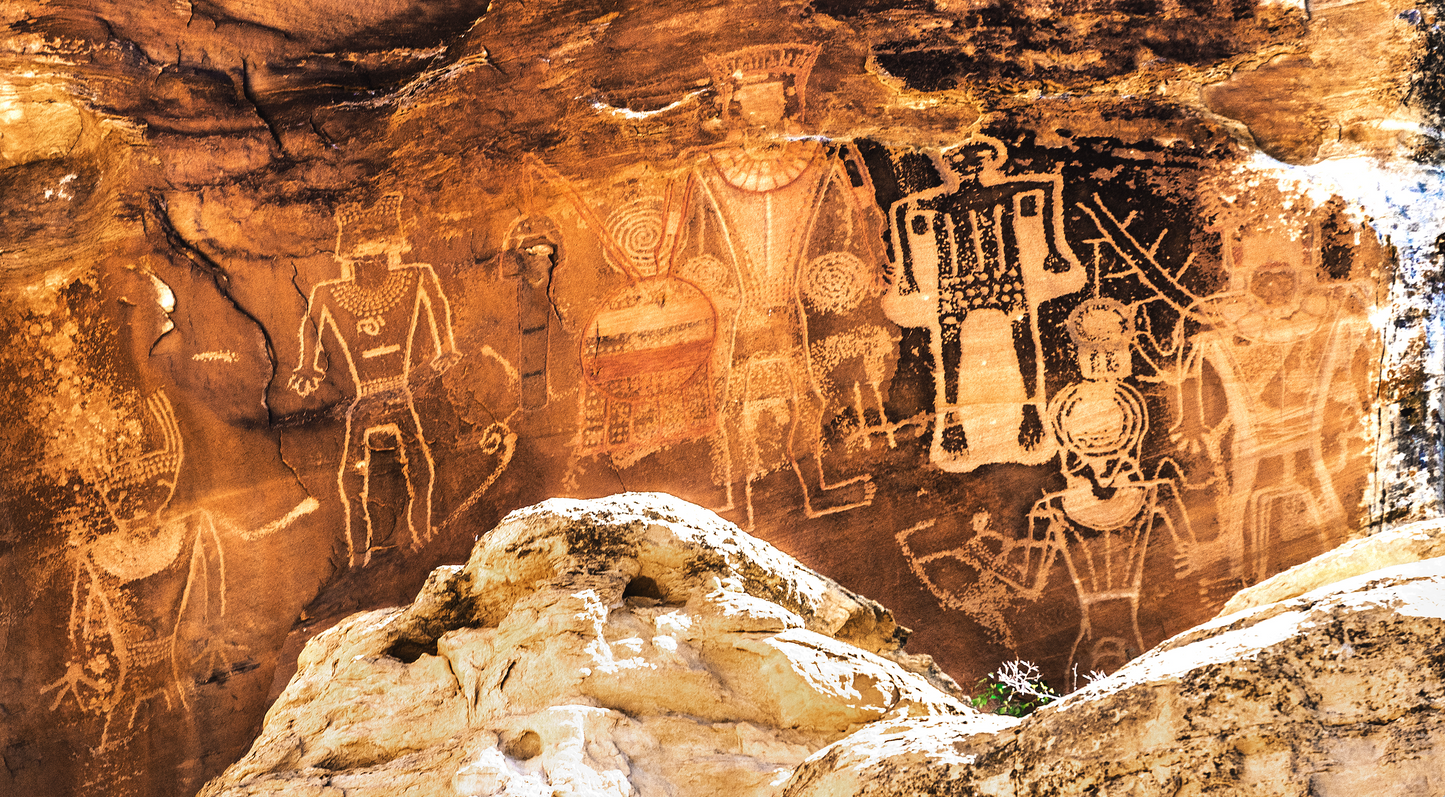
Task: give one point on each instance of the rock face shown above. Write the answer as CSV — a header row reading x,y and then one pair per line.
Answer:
x,y
628,646
1337,693
1051,324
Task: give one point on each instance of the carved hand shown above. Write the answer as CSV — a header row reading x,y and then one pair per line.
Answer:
x,y
445,360
305,382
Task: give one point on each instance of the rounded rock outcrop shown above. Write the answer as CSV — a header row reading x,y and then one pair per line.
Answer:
x,y
629,645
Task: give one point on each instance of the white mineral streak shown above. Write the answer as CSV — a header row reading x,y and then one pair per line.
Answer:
x,y
636,645
1335,693
1404,201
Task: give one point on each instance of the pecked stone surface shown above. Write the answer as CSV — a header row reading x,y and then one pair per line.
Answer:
x,y
299,296
629,645
1337,692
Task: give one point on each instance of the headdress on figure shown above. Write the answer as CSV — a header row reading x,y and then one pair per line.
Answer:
x,y
743,71
1102,331
137,488
363,229
979,153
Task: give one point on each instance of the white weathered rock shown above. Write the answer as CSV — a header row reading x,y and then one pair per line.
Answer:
x,y
635,645
1337,693
1411,543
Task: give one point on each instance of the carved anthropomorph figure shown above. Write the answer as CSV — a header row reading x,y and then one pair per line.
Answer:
x,y
973,259
375,315
1279,385
1104,520
783,237
117,660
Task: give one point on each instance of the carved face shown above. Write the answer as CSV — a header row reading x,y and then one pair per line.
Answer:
x,y
537,261
1276,288
762,104
975,157
371,248
139,503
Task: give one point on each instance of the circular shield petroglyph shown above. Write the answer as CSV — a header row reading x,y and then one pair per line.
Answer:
x,y
648,339
834,282
636,227
1099,419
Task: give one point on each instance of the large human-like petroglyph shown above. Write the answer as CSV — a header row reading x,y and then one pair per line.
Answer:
x,y
975,258
1000,316
372,315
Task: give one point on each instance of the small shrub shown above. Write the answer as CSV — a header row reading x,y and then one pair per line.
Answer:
x,y
1014,689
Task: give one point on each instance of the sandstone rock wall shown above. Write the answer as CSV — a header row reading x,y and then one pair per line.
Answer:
x,y
1336,692
640,646
1049,324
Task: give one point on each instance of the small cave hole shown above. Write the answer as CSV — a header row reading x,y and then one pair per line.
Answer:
x,y
643,587
408,651
524,747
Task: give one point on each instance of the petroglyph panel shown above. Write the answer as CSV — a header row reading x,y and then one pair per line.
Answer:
x,y
1177,380
1004,317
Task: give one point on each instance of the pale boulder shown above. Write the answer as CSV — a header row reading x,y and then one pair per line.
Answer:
x,y
1337,693
1398,546
635,645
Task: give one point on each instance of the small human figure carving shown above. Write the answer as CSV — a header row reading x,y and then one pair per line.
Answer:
x,y
373,313
1102,523
530,254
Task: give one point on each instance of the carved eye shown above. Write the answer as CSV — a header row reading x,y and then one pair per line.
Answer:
x,y
1028,205
920,225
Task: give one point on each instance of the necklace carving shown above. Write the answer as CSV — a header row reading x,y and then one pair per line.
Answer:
x,y
765,168
364,303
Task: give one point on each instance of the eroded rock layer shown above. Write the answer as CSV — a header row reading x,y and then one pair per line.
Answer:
x,y
1338,692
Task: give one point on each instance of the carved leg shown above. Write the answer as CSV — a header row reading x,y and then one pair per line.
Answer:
x,y
420,471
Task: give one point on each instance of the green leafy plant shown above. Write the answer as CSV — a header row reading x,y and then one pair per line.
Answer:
x,y
1015,689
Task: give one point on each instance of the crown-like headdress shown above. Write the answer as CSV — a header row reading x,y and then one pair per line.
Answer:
x,y
359,223
762,63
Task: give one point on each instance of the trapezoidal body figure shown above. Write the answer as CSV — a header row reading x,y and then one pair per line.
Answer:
x,y
973,259
782,211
